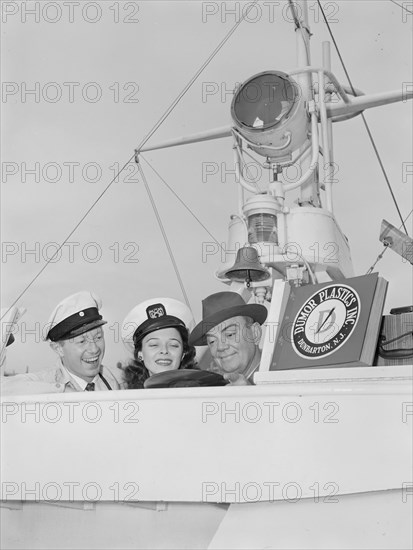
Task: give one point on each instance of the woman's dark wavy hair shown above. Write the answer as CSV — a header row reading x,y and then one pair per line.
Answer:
x,y
135,373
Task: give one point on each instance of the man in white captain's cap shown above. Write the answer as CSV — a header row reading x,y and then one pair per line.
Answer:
x,y
76,335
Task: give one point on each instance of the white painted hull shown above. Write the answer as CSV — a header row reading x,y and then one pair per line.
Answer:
x,y
313,464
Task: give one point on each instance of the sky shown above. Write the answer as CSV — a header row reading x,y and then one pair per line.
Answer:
x,y
84,83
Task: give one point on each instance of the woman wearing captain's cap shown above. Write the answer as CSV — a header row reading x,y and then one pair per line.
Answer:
x,y
156,333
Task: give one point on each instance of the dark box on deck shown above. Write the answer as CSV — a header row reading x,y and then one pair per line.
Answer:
x,y
397,330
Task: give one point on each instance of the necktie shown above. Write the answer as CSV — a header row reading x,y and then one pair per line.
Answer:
x,y
90,386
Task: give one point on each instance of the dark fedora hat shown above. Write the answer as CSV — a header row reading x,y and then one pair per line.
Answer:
x,y
222,306
185,378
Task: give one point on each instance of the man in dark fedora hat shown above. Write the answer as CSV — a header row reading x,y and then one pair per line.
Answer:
x,y
232,331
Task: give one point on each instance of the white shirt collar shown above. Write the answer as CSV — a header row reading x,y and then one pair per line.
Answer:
x,y
80,382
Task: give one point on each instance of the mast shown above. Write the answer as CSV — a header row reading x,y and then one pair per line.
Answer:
x,y
281,120
309,191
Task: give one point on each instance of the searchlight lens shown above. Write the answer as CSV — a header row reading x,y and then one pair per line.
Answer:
x,y
264,100
269,112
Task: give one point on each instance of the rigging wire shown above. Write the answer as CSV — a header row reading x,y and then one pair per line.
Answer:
x,y
408,216
297,21
402,7
379,257
67,238
364,120
144,140
165,238
298,25
181,201
196,75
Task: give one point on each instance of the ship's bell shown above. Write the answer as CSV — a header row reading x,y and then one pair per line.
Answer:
x,y
247,267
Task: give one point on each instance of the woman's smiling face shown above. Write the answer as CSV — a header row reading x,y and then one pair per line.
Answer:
x,y
162,350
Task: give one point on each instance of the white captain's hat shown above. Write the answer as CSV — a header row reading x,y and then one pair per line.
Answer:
x,y
76,314
155,314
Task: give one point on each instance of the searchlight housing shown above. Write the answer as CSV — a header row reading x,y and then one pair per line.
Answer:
x,y
270,114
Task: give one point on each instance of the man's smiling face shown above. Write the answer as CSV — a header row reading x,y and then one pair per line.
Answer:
x,y
233,344
83,354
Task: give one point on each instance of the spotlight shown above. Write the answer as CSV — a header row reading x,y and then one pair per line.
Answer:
x,y
270,114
